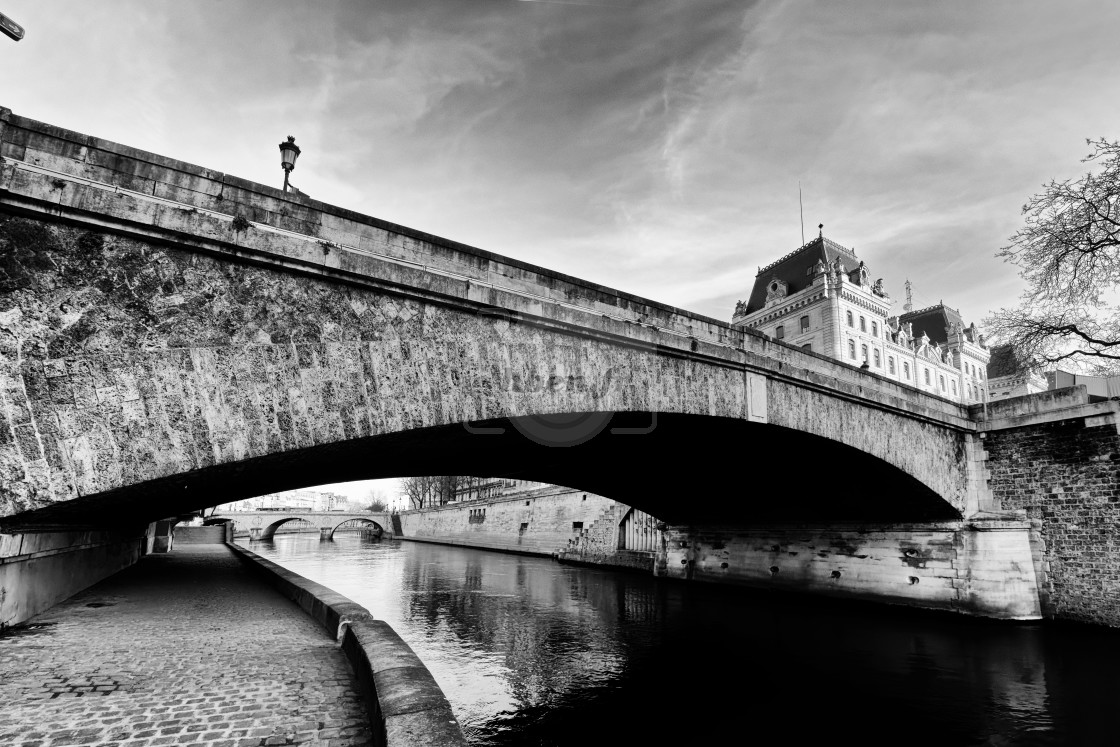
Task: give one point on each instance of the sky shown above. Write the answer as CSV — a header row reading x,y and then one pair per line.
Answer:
x,y
654,146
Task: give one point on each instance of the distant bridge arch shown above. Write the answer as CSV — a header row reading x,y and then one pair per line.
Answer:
x,y
264,524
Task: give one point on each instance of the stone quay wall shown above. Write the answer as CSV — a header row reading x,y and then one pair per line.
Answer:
x,y
545,521
39,570
407,708
1064,472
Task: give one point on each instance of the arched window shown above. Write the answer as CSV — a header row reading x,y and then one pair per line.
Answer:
x,y
805,323
878,362
890,363
906,370
850,322
863,349
941,380
954,385
851,345
780,332
874,329
862,324
927,374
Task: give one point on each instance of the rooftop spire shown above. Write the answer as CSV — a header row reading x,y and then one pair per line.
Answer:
x,y
820,227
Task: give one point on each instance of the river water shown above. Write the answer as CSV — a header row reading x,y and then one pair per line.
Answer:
x,y
533,652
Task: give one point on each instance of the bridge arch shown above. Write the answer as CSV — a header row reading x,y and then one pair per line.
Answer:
x,y
367,522
269,531
148,345
688,468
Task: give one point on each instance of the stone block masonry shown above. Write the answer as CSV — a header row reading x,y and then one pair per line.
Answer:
x,y
538,522
1064,472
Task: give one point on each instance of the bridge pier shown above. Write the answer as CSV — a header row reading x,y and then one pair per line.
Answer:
x,y
325,533
255,534
980,566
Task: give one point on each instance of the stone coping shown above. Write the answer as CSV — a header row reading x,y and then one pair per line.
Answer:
x,y
406,706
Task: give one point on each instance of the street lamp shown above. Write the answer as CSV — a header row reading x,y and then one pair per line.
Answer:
x,y
10,28
289,152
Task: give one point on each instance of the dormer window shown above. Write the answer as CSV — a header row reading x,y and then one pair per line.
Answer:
x,y
776,290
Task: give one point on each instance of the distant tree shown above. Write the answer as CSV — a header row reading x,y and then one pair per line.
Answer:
x,y
1069,254
437,490
376,502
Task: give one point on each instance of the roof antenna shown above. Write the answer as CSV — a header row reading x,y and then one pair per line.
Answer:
x,y
909,298
801,205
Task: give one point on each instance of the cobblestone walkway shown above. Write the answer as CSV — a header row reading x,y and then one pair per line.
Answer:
x,y
184,648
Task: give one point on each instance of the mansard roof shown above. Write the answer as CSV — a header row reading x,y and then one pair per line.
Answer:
x,y
794,268
933,321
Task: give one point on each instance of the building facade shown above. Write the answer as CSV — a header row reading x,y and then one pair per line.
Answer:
x,y
820,297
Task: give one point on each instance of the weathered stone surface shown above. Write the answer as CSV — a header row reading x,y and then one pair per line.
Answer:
x,y
1065,475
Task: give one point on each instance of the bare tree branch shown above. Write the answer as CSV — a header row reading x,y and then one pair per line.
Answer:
x,y
1069,253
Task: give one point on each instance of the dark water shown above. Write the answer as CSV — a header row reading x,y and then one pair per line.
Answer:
x,y
531,652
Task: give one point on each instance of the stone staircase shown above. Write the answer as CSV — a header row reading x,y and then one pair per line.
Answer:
x,y
598,541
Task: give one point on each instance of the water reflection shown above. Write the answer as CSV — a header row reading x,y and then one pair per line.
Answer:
x,y
531,652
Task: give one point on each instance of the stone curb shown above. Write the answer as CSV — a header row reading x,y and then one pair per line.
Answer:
x,y
406,706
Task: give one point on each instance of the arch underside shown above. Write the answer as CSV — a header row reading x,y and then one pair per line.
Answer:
x,y
270,530
357,523
679,468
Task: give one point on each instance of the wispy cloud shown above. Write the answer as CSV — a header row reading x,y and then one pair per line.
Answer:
x,y
654,146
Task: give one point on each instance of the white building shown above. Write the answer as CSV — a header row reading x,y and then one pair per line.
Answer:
x,y
821,298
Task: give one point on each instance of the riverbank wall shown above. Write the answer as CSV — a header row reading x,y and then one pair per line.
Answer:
x,y
407,708
551,520
982,567
40,569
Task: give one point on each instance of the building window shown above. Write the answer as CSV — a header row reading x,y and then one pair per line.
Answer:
x,y
862,324
941,379
874,329
863,349
878,362
805,323
927,375
851,346
780,332
850,322
954,385
890,363
906,370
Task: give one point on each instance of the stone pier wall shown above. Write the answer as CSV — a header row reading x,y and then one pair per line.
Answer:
x,y
1063,470
981,569
39,570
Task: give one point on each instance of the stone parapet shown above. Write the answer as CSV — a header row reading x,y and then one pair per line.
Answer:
x,y
407,707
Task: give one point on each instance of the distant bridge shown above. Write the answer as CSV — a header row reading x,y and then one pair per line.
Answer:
x,y
262,525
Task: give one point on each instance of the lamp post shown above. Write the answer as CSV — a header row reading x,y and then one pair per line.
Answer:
x,y
289,152
10,28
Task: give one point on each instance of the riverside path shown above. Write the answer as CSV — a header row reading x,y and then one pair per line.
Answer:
x,y
184,648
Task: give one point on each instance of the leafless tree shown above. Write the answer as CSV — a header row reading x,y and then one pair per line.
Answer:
x,y
1069,254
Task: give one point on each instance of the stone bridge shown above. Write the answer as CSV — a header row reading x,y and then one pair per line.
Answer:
x,y
174,338
262,525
